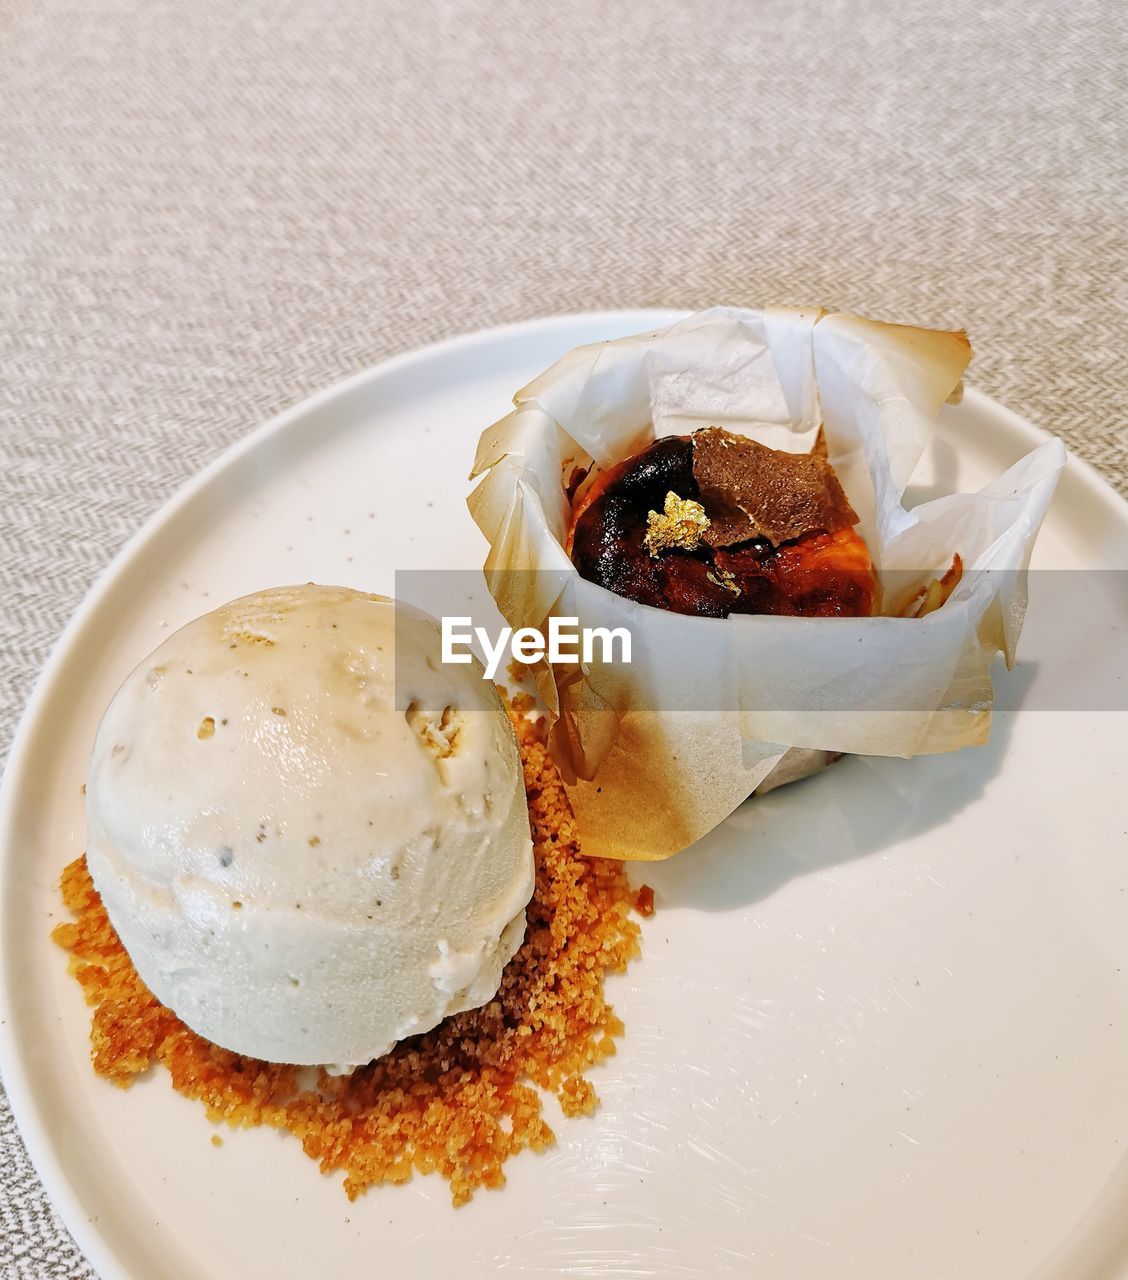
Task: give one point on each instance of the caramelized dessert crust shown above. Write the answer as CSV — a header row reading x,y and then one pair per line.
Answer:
x,y
459,1100
715,524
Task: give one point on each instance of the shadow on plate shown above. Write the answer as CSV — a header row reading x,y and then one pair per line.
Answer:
x,y
861,806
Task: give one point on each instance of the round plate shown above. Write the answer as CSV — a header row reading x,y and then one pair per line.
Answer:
x,y
880,1024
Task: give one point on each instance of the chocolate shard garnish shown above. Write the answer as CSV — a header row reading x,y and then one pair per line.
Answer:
x,y
750,491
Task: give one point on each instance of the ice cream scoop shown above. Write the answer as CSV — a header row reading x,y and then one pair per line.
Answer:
x,y
309,833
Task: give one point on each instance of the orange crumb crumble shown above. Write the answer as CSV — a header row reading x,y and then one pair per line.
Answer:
x,y
520,671
644,901
459,1100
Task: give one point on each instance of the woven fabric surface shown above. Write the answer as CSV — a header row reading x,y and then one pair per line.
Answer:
x,y
209,210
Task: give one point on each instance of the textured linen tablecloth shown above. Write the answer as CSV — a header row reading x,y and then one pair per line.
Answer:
x,y
208,210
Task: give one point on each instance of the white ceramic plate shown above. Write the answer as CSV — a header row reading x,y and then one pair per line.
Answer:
x,y
880,1027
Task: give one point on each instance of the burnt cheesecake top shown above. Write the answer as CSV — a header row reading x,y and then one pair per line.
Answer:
x,y
714,524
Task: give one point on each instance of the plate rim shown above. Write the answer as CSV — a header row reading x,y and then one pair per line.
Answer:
x,y
40,1148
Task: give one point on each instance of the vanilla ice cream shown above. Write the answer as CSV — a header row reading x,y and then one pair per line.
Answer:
x,y
309,833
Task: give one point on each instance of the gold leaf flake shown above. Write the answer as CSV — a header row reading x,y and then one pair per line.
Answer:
x,y
681,524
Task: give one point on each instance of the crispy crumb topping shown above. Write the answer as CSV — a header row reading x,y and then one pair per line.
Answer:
x,y
644,901
681,523
459,1100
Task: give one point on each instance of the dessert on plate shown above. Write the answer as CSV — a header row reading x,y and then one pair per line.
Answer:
x,y
730,492
335,885
311,844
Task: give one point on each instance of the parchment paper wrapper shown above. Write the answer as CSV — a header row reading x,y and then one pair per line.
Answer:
x,y
658,752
